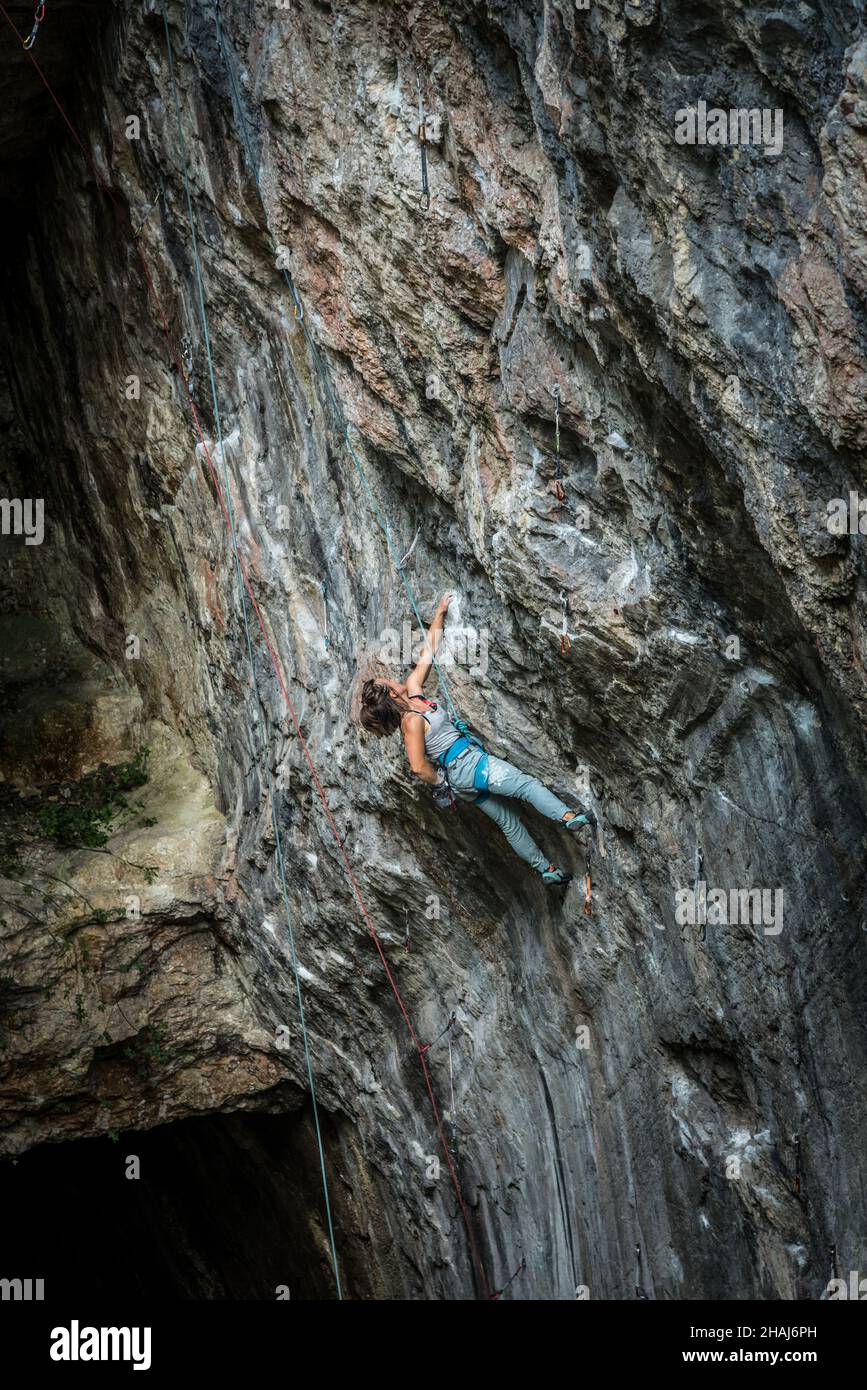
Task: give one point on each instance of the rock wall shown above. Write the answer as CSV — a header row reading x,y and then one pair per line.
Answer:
x,y
610,1082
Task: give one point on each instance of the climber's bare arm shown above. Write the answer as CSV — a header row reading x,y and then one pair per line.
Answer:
x,y
413,728
415,681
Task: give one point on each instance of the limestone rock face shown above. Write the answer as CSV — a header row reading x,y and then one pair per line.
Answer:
x,y
612,383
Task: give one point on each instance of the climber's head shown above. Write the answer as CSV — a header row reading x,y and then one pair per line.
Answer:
x,y
383,704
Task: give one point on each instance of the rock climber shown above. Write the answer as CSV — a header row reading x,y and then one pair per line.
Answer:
x,y
454,764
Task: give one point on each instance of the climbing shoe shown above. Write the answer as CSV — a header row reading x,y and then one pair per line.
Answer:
x,y
586,818
553,875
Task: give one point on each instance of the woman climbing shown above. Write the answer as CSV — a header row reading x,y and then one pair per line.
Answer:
x,y
453,763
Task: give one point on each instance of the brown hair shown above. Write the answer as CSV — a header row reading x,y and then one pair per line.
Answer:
x,y
380,713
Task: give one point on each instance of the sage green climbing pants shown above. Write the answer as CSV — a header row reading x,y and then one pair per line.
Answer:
x,y
504,783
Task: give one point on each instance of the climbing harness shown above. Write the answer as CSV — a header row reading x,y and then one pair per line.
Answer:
x,y
461,745
559,490
452,1020
38,17
422,140
498,1293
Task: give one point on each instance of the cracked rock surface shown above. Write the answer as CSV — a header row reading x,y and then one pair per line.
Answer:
x,y
614,1081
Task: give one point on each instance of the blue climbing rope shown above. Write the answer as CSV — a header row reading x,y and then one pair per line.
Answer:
x,y
344,427
259,704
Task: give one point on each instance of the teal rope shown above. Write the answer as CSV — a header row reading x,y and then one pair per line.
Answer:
x,y
261,733
321,368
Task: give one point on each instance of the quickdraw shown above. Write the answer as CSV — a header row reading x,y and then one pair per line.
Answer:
x,y
141,226
559,490
588,895
498,1293
427,1046
561,630
697,892
798,1164
452,1093
565,635
325,614
639,1287
423,145
38,17
403,560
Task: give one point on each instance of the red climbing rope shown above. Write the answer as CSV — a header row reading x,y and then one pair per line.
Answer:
x,y
420,1049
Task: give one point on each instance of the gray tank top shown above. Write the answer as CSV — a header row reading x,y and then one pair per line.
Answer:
x,y
440,733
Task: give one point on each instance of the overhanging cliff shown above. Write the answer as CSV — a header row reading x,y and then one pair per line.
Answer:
x,y
613,1082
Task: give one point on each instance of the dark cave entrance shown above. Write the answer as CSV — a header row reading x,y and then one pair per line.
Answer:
x,y
226,1207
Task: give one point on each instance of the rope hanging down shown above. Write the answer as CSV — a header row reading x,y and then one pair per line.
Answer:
x,y
316,356
105,187
162,319
396,556
258,702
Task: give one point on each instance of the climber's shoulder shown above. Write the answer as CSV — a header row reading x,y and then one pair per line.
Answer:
x,y
413,725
